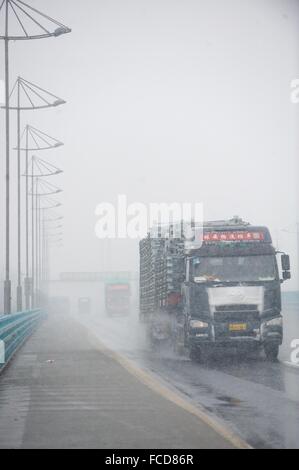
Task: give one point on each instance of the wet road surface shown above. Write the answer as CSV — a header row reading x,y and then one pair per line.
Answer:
x,y
257,399
64,391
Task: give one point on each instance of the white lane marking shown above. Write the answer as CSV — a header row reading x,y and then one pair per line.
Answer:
x,y
291,364
2,352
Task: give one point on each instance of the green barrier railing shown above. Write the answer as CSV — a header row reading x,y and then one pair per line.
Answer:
x,y
14,330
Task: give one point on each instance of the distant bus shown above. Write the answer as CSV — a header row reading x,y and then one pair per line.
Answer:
x,y
117,298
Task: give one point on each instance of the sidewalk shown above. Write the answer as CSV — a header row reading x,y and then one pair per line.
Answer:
x,y
62,392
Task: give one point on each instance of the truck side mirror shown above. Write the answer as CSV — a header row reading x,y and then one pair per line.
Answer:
x,y
285,263
286,275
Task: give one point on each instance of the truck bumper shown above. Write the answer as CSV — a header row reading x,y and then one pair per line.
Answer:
x,y
219,336
247,343
243,343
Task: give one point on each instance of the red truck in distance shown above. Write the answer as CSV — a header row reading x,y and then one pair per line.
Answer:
x,y
117,299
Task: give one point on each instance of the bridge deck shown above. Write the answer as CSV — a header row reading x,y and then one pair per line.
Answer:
x,y
61,391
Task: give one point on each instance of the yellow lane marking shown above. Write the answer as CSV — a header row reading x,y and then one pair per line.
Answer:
x,y
154,384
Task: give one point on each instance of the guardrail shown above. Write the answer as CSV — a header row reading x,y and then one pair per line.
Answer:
x,y
14,330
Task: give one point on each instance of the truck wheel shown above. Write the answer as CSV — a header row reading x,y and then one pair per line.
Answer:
x,y
271,351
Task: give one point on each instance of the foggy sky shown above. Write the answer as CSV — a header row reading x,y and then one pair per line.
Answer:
x,y
168,100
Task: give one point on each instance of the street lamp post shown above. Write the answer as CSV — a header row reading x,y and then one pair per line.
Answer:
x,y
29,97
42,238
19,287
35,140
39,189
31,289
56,218
7,285
44,24
49,204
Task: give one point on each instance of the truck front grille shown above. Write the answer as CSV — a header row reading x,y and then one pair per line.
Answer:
x,y
236,313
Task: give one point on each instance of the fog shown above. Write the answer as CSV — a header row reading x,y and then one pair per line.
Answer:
x,y
167,101
126,344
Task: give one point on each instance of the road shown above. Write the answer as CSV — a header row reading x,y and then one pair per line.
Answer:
x,y
257,399
64,390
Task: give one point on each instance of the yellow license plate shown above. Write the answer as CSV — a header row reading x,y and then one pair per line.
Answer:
x,y
238,327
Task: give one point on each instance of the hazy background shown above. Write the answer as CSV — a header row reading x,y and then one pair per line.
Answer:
x,y
168,100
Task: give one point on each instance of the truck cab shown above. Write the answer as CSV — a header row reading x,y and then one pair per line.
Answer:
x,y
232,292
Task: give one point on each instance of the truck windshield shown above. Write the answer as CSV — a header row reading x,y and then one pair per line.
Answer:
x,y
234,268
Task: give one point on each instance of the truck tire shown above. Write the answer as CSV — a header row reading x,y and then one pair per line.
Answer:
x,y
271,352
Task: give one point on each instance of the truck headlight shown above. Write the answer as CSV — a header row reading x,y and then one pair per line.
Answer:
x,y
274,322
198,324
